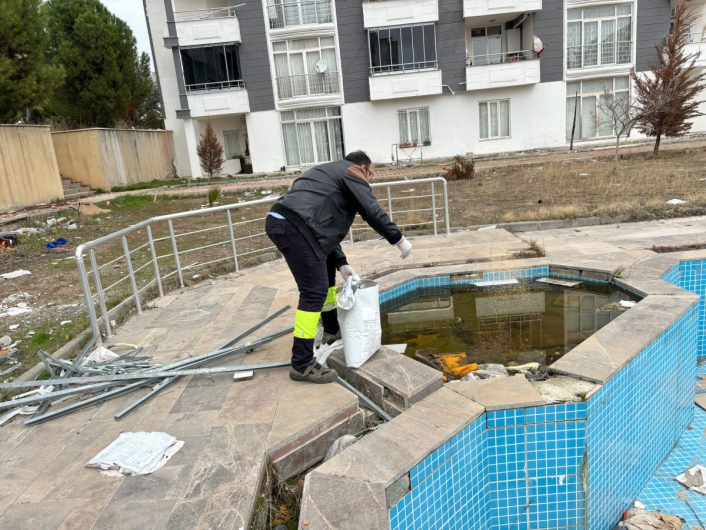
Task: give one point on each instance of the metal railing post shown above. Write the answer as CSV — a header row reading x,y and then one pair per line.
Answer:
x,y
433,207
232,241
351,233
136,293
176,253
87,295
101,295
155,264
446,207
389,202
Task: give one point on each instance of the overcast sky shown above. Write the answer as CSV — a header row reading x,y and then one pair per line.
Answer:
x,y
133,12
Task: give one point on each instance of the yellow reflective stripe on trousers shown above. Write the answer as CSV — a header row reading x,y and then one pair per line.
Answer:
x,y
305,324
330,303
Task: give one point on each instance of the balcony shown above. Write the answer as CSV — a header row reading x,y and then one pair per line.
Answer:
x,y
293,15
607,57
217,99
308,89
405,85
483,8
382,13
502,70
207,26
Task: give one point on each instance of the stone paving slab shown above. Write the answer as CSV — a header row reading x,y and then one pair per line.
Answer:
x,y
499,394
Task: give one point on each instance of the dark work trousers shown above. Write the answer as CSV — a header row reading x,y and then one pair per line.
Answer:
x,y
316,281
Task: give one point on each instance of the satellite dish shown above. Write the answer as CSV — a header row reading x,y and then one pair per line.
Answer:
x,y
321,66
538,44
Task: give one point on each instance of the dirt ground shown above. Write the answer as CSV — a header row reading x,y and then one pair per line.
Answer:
x,y
554,189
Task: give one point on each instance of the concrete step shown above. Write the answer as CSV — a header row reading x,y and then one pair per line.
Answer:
x,y
72,186
391,379
78,194
65,181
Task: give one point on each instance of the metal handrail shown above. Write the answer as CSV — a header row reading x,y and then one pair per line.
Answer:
x,y
598,54
157,277
500,58
294,86
215,86
285,14
204,14
406,67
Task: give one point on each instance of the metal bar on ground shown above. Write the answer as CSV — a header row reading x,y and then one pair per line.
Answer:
x,y
155,263
168,382
57,394
100,293
176,253
232,241
131,272
366,401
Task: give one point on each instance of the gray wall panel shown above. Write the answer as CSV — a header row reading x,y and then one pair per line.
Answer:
x,y
254,56
353,45
652,26
451,44
549,26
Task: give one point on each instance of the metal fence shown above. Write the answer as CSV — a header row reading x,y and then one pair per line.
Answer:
x,y
294,86
204,14
499,58
147,259
286,14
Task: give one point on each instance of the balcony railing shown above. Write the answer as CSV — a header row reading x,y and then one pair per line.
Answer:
x,y
603,54
197,88
500,58
204,14
295,86
287,14
407,67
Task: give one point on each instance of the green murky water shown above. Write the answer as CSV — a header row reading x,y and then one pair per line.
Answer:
x,y
531,322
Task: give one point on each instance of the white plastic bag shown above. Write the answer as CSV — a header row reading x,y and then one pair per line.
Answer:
x,y
359,318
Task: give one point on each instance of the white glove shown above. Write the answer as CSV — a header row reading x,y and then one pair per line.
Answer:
x,y
405,247
347,271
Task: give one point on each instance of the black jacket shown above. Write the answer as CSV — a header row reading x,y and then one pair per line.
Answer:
x,y
322,204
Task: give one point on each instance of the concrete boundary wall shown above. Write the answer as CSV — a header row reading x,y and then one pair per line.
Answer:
x,y
104,158
29,173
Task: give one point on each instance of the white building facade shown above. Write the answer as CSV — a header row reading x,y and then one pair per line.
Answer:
x,y
292,83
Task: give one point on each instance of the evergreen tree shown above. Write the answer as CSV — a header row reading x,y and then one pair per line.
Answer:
x,y
104,75
666,98
210,152
27,79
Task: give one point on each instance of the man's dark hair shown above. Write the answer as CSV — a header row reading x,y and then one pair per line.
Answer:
x,y
359,158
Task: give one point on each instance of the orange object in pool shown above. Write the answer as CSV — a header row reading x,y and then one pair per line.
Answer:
x,y
451,364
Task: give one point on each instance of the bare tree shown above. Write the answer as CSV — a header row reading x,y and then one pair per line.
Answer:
x,y
666,98
210,152
617,111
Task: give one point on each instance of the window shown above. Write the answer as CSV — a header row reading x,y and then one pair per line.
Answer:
x,y
285,13
312,136
487,45
231,139
599,36
298,67
494,119
211,68
583,100
414,127
402,49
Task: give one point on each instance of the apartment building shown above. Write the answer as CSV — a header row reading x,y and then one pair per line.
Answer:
x,y
291,83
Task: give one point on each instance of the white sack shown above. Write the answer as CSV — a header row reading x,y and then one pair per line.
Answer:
x,y
360,323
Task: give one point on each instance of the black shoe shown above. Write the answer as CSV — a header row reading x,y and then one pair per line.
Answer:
x,y
314,373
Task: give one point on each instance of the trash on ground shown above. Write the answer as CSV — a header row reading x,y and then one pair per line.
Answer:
x,y
12,368
14,274
694,479
639,519
470,376
456,364
523,368
5,341
487,371
136,453
22,410
323,351
99,355
56,243
484,228
13,327
675,201
556,281
627,303
8,241
65,322
87,208
339,445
